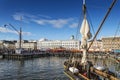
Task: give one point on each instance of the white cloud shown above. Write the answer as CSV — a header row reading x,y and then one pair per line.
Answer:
x,y
44,16
74,25
28,17
27,33
41,22
6,30
46,20
18,16
22,17
57,23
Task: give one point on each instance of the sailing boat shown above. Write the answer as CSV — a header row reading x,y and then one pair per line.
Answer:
x,y
84,69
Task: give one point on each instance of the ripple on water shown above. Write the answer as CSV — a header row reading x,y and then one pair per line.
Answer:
x,y
47,68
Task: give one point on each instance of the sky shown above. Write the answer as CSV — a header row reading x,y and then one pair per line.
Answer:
x,y
55,19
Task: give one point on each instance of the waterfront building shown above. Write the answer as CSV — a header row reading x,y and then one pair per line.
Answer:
x,y
7,44
52,44
96,46
1,44
28,45
111,43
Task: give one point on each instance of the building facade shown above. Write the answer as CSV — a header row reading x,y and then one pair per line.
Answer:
x,y
52,44
111,43
1,44
96,46
7,44
27,45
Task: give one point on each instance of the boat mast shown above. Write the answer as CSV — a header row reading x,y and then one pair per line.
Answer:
x,y
84,41
85,48
84,9
86,35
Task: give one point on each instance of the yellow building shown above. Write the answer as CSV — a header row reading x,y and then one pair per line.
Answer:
x,y
7,44
96,46
111,43
27,45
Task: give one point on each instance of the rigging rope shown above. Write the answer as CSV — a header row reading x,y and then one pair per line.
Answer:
x,y
90,22
102,23
78,27
117,30
115,35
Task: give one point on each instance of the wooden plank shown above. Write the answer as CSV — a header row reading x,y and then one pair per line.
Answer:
x,y
106,75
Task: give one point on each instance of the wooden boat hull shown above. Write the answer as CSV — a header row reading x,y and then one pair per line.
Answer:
x,y
108,75
96,74
77,76
72,76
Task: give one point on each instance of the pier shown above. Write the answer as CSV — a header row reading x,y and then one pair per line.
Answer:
x,y
31,56
56,53
23,56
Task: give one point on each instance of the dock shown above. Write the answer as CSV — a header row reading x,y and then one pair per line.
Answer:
x,y
67,54
37,55
23,56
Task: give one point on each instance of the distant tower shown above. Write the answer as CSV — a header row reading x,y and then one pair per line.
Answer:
x,y
72,37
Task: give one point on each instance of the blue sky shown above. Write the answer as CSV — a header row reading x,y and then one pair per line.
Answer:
x,y
55,19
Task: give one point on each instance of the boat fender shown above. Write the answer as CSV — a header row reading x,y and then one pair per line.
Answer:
x,y
101,68
73,70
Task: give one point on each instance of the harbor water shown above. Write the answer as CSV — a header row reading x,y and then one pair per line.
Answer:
x,y
44,68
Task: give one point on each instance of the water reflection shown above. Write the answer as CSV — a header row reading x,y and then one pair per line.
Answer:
x,y
47,68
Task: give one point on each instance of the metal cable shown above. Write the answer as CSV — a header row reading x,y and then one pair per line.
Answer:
x,y
102,22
